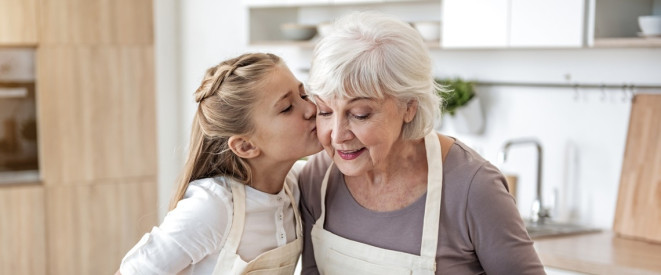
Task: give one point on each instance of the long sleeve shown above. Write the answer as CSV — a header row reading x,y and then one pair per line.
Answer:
x,y
189,233
496,228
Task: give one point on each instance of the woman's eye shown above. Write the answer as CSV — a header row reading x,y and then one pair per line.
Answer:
x,y
322,113
305,97
287,109
361,117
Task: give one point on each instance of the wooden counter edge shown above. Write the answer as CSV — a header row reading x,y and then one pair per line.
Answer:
x,y
600,253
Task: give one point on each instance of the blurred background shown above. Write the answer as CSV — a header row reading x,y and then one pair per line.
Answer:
x,y
96,105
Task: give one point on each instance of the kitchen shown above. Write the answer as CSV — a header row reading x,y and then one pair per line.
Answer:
x,y
583,131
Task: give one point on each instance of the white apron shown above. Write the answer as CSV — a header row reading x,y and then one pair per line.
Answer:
x,y
278,261
337,255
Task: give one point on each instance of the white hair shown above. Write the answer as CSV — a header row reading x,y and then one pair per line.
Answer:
x,y
373,55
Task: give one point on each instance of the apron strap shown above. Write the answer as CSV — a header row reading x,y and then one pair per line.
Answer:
x,y
239,216
297,215
431,220
324,184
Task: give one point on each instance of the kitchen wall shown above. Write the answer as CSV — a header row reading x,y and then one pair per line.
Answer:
x,y
583,133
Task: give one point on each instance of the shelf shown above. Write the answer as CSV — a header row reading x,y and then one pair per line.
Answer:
x,y
309,44
629,42
311,3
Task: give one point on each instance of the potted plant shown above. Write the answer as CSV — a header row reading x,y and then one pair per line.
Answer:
x,y
461,105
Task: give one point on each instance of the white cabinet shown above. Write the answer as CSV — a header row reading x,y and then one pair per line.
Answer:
x,y
547,23
513,23
474,23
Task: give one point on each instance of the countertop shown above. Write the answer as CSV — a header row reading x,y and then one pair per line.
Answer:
x,y
600,253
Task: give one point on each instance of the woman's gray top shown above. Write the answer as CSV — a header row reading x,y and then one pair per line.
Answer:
x,y
481,230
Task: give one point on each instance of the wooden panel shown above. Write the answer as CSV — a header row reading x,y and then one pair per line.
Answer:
x,y
22,234
96,113
85,22
91,227
638,211
18,22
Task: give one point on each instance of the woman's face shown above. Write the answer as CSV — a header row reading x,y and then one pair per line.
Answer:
x,y
284,118
359,134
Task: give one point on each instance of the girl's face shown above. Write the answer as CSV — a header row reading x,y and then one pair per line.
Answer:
x,y
361,134
285,118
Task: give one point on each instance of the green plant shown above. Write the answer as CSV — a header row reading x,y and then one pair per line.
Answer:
x,y
455,93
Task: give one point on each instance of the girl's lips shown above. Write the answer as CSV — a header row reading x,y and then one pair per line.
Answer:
x,y
350,155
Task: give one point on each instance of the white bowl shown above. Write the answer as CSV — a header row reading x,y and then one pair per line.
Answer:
x,y
429,30
650,25
292,31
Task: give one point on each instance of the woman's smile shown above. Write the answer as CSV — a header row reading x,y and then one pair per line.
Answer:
x,y
350,154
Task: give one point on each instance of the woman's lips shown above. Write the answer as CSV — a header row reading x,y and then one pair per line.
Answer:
x,y
350,154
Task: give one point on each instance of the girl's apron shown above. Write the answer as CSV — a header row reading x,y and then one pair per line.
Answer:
x,y
278,261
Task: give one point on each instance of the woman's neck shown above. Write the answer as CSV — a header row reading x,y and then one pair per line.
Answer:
x,y
269,177
405,158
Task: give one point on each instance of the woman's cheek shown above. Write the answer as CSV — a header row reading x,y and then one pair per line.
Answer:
x,y
323,132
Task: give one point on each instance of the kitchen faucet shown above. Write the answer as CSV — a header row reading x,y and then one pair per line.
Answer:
x,y
539,214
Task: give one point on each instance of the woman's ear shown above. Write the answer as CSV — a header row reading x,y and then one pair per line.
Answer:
x,y
411,110
242,147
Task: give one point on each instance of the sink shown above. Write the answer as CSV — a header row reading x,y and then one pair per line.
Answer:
x,y
553,229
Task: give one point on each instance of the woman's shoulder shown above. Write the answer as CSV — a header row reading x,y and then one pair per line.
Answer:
x,y
465,166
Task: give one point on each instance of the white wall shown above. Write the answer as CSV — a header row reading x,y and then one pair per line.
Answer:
x,y
583,137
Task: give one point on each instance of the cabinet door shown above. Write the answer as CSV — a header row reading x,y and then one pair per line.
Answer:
x,y
18,22
547,23
474,23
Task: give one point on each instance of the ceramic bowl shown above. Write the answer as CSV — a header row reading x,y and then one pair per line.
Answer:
x,y
429,30
650,25
298,32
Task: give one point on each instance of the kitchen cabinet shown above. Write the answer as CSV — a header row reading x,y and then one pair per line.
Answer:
x,y
474,23
614,23
512,23
18,22
266,16
544,23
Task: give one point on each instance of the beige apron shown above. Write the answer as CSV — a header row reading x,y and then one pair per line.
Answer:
x,y
337,255
278,261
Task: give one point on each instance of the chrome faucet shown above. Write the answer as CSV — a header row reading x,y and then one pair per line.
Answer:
x,y
539,214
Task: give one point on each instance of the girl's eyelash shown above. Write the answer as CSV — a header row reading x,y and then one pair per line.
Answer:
x,y
287,109
305,96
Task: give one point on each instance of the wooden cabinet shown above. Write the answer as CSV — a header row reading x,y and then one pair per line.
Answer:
x,y
513,23
22,230
97,113
97,136
91,227
18,22
90,22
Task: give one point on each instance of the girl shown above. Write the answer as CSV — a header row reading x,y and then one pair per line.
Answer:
x,y
235,210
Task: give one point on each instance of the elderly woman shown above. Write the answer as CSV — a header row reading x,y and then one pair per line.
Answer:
x,y
390,195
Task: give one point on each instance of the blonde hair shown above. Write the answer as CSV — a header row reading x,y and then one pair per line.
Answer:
x,y
225,105
369,54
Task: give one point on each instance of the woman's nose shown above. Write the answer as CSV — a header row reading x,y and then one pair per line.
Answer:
x,y
340,132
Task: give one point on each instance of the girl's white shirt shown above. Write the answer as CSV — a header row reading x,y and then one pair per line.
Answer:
x,y
191,236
